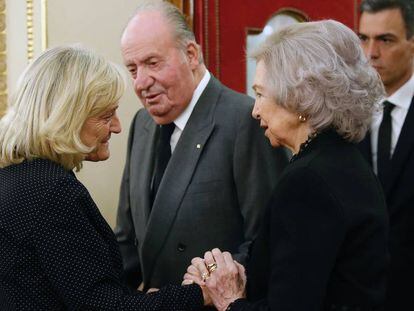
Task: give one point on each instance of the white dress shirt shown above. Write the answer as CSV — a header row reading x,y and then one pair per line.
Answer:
x,y
182,119
402,100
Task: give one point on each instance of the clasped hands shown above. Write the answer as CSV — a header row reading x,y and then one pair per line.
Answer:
x,y
221,278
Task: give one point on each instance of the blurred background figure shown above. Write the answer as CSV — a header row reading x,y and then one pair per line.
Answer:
x,y
57,251
386,31
323,242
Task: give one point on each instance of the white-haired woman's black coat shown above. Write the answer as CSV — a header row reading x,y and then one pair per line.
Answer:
x,y
323,245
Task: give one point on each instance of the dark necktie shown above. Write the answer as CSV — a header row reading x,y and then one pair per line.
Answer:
x,y
163,155
384,142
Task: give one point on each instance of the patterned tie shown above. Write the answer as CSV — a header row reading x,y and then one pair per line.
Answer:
x,y
384,142
163,155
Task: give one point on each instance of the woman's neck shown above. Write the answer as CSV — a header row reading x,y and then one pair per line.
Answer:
x,y
301,136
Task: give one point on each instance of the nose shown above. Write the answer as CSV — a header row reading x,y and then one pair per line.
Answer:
x,y
115,125
372,50
143,80
255,111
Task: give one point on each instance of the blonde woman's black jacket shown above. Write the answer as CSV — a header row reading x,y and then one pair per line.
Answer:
x,y
58,253
323,245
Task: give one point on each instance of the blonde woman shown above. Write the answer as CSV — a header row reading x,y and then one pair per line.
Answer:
x,y
57,251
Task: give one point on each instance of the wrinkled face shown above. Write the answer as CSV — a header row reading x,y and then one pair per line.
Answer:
x,y
384,41
281,126
96,132
162,73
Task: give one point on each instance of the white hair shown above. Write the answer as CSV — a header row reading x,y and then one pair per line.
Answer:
x,y
179,25
318,69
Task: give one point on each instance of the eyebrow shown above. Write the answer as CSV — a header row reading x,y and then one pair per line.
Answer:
x,y
385,35
129,64
380,36
142,59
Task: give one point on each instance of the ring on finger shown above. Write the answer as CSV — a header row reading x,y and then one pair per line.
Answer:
x,y
205,276
212,267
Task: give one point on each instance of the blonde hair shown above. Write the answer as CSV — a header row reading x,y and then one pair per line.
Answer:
x,y
55,95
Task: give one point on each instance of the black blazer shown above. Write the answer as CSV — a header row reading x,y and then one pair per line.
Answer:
x,y
323,245
399,193
57,251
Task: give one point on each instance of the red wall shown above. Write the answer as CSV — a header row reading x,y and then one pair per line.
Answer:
x,y
221,28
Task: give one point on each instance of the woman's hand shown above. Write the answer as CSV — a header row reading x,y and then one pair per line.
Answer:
x,y
197,273
227,278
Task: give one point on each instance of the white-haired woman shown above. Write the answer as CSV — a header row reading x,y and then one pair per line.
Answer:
x,y
57,251
323,243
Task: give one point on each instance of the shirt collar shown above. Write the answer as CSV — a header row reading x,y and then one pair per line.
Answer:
x,y
403,96
182,119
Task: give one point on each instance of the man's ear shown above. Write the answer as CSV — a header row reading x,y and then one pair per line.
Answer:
x,y
193,54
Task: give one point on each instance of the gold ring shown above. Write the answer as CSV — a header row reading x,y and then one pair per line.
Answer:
x,y
212,267
205,276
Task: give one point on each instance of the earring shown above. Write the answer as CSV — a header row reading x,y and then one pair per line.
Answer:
x,y
302,118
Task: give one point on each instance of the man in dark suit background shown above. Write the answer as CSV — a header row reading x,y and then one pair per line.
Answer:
x,y
198,169
386,31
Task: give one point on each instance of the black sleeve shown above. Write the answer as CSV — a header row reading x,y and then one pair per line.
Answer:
x,y
307,229
77,259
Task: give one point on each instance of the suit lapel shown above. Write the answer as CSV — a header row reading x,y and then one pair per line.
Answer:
x,y
141,175
178,174
402,151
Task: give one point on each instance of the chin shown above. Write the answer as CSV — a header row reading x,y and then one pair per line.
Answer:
x,y
96,157
275,143
164,119
104,157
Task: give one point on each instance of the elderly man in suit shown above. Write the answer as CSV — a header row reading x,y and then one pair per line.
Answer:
x,y
386,31
198,170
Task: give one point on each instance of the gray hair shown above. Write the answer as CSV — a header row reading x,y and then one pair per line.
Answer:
x,y
319,70
182,32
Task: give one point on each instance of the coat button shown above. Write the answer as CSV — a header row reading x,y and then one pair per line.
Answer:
x,y
181,247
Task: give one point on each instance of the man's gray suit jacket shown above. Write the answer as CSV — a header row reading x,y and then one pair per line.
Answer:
x,y
212,194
